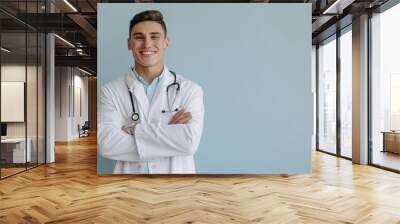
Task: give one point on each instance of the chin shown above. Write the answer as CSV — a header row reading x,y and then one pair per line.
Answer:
x,y
149,64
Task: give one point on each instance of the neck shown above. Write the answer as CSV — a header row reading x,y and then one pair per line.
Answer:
x,y
149,73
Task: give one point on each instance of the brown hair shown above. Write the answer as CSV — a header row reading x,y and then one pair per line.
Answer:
x,y
149,15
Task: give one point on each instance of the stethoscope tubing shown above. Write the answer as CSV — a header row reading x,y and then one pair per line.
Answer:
x,y
135,115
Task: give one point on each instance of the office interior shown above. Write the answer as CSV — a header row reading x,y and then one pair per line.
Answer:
x,y
48,80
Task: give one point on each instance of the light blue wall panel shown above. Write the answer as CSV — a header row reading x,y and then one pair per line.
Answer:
x,y
253,62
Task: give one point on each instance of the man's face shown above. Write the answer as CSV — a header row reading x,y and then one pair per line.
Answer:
x,y
147,42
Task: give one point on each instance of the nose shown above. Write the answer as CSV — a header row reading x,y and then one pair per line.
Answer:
x,y
147,42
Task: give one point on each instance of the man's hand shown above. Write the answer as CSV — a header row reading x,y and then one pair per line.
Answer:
x,y
181,117
129,128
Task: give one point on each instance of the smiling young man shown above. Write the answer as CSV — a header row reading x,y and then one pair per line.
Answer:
x,y
150,120
147,41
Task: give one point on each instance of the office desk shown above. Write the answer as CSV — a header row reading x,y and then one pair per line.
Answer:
x,y
13,150
391,141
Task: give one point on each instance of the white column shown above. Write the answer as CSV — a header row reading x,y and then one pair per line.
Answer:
x,y
50,92
50,108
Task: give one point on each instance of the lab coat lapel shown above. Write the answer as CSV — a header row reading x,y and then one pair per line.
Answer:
x,y
139,96
160,96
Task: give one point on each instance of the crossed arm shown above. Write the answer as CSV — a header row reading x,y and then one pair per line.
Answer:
x,y
179,137
181,117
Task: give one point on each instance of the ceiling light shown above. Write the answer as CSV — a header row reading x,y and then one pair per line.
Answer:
x,y
79,51
329,9
70,5
5,50
65,41
338,6
84,71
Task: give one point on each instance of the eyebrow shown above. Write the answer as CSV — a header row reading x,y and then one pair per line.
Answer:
x,y
152,33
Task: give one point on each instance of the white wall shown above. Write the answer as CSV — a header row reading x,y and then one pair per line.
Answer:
x,y
15,72
70,83
62,81
80,89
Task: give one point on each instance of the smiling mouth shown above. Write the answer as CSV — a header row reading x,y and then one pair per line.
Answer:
x,y
147,53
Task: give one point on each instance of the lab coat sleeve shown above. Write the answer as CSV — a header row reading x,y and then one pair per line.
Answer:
x,y
163,140
113,143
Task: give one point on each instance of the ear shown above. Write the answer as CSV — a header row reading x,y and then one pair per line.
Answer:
x,y
166,42
129,44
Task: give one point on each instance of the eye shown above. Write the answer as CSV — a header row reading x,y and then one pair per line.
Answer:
x,y
155,37
138,38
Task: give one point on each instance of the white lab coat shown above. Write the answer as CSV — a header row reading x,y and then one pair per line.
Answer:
x,y
166,148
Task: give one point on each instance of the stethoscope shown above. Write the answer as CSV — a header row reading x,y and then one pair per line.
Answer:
x,y
135,115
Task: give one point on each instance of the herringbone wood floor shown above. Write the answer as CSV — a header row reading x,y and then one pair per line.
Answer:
x,y
70,191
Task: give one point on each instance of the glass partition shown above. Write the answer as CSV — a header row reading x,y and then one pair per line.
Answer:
x,y
32,84
31,99
13,113
327,95
41,91
22,64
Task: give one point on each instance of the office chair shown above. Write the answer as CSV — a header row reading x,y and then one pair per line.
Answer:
x,y
84,130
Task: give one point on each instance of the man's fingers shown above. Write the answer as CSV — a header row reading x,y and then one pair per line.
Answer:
x,y
181,117
176,116
184,118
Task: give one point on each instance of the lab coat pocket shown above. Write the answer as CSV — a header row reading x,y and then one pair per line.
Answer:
x,y
167,116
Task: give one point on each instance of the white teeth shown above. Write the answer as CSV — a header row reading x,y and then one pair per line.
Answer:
x,y
148,52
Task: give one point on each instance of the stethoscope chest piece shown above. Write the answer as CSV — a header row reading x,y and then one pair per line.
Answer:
x,y
135,117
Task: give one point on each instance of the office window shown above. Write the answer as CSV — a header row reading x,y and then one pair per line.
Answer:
x,y
385,88
346,92
327,95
